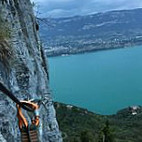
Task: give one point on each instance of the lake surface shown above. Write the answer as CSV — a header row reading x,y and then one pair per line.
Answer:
x,y
103,82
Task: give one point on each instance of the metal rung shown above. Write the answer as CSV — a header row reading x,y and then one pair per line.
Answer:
x,y
33,134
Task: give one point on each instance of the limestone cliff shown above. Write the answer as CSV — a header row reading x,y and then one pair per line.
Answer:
x,y
23,70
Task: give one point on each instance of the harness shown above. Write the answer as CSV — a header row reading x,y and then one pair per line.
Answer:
x,y
28,129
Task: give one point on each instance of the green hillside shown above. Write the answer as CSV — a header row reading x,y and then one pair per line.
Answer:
x,y
80,125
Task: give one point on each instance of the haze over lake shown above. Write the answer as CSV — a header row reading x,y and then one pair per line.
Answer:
x,y
103,82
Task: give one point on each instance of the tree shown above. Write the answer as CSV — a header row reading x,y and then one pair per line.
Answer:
x,y
106,134
86,136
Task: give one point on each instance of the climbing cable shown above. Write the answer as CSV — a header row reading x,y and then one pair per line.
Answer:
x,y
12,97
29,132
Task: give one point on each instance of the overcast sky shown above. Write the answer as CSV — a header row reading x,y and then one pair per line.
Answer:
x,y
67,8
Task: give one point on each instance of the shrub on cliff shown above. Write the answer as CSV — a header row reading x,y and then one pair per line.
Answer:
x,y
4,29
5,50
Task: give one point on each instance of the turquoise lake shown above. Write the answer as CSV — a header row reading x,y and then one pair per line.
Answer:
x,y
103,82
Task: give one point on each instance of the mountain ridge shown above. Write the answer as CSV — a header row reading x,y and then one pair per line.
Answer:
x,y
102,12
79,34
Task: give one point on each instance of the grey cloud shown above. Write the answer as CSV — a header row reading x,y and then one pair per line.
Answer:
x,y
65,8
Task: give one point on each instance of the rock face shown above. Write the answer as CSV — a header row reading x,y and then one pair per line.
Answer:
x,y
23,70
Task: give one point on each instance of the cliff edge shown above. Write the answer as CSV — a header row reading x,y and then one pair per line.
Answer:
x,y
23,70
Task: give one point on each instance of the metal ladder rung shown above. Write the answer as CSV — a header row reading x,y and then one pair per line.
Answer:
x,y
33,134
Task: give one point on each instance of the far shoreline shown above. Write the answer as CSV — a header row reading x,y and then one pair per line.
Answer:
x,y
90,51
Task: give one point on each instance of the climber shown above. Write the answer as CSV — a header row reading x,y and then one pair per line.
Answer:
x,y
29,131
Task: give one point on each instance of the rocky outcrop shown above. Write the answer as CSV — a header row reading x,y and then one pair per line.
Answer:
x,y
23,69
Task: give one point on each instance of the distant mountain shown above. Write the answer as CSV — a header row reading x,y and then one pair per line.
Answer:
x,y
114,29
